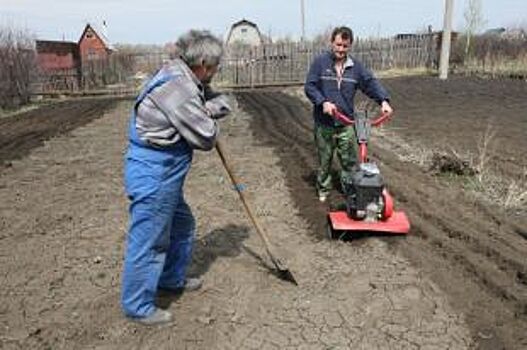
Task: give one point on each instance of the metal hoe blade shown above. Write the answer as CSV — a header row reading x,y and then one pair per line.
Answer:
x,y
283,272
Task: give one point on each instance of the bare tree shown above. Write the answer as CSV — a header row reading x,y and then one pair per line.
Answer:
x,y
17,67
474,21
323,37
121,66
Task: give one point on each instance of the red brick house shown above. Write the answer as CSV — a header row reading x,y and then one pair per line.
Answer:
x,y
61,63
93,44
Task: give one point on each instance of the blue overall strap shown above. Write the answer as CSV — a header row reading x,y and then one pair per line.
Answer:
x,y
158,80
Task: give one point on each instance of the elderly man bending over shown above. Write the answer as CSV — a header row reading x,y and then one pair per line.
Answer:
x,y
170,119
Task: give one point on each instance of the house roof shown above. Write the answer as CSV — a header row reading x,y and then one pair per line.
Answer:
x,y
54,46
246,22
420,35
495,31
100,34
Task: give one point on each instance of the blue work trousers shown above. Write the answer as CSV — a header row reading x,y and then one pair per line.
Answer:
x,y
161,228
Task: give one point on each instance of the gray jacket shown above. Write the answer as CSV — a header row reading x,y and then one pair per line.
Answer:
x,y
175,108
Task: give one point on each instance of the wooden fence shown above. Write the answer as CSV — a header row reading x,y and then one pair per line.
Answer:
x,y
284,63
118,69
270,64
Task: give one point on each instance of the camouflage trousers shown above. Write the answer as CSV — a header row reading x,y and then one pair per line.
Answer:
x,y
327,140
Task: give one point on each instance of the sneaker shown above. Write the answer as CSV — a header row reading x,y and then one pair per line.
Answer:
x,y
322,198
158,317
191,284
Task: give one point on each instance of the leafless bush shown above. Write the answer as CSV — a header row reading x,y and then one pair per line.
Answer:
x,y
17,67
122,65
322,38
474,168
145,58
473,21
451,163
485,143
113,70
516,195
506,192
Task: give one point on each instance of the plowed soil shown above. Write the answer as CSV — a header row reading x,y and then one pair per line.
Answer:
x,y
21,133
457,281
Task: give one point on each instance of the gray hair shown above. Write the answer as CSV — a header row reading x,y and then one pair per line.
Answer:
x,y
197,47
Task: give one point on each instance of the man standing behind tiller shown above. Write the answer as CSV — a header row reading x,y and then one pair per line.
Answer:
x,y
331,84
170,119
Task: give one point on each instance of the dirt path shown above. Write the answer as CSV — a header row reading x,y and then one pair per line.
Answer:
x,y
62,231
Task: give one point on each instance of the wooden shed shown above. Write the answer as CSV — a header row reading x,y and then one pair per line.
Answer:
x,y
57,55
59,65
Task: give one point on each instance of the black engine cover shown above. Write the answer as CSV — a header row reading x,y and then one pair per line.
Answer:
x,y
366,187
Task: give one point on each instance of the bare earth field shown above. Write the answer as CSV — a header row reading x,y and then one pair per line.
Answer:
x,y
457,281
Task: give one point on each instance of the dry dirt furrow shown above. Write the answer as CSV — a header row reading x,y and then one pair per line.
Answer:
x,y
480,263
456,244
459,111
21,133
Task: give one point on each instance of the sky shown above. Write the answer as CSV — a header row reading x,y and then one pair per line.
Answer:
x,y
162,21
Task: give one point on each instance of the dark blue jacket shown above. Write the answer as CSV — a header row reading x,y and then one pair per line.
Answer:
x,y
321,85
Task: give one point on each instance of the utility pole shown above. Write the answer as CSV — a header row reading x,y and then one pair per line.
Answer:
x,y
445,40
302,14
